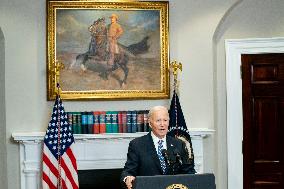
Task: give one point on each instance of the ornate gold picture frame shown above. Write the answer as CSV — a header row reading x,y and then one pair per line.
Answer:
x,y
109,50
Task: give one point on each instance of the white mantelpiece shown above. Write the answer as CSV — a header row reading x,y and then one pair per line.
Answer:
x,y
100,151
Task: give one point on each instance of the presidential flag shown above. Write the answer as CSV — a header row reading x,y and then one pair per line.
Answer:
x,y
178,128
59,169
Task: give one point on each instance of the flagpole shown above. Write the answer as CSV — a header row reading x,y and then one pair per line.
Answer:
x,y
57,67
175,67
59,179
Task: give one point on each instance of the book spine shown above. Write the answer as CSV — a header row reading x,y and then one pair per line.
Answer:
x,y
74,123
124,121
128,121
103,122
90,122
119,119
134,122
84,123
70,120
146,124
140,121
96,126
114,121
79,123
108,122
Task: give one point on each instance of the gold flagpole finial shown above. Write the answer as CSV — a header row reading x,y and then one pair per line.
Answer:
x,y
57,67
175,67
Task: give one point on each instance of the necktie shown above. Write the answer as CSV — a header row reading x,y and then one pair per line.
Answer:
x,y
161,157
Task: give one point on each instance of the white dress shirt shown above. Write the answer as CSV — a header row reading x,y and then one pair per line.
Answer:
x,y
156,140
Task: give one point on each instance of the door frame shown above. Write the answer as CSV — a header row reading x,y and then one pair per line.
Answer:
x,y
234,49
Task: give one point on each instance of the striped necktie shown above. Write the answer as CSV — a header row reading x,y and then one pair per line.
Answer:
x,y
161,157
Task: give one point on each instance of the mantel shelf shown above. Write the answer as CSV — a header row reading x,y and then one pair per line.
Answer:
x,y
38,136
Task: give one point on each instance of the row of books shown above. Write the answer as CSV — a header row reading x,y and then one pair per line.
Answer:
x,y
109,122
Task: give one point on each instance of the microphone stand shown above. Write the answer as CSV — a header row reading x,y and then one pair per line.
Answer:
x,y
176,163
172,164
169,162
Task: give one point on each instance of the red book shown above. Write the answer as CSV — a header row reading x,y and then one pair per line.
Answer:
x,y
102,122
120,125
124,121
96,126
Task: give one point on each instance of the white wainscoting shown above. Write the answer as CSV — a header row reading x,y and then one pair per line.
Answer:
x,y
100,151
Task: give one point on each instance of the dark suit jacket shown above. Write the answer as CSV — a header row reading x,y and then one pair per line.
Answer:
x,y
142,158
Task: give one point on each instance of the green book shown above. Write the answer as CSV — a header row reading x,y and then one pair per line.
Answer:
x,y
84,122
79,123
108,122
114,121
76,122
128,121
90,122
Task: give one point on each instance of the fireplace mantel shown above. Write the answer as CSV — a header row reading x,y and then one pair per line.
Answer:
x,y
99,151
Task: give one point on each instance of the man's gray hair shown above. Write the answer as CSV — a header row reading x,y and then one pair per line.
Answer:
x,y
155,109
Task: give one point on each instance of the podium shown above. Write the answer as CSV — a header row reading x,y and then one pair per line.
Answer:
x,y
184,181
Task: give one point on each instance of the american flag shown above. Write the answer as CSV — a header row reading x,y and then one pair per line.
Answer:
x,y
59,163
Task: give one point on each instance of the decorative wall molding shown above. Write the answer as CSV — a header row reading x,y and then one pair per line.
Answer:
x,y
100,151
234,49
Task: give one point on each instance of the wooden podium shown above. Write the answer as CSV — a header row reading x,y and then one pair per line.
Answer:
x,y
188,181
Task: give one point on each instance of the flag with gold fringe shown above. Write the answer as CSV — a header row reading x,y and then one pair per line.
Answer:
x,y
59,169
178,126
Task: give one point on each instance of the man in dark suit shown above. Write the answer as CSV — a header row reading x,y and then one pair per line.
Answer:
x,y
156,153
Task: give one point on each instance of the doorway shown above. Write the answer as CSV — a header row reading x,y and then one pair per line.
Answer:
x,y
263,120
234,50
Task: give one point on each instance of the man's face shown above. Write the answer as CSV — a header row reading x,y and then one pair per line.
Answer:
x,y
113,19
159,122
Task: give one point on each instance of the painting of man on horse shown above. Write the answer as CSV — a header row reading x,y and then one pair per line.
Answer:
x,y
109,50
104,48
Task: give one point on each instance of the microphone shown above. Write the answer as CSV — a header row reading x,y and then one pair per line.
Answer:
x,y
165,155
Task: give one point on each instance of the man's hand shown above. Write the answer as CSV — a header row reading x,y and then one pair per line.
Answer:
x,y
128,181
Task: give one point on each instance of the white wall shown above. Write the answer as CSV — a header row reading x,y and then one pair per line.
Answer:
x,y
197,33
